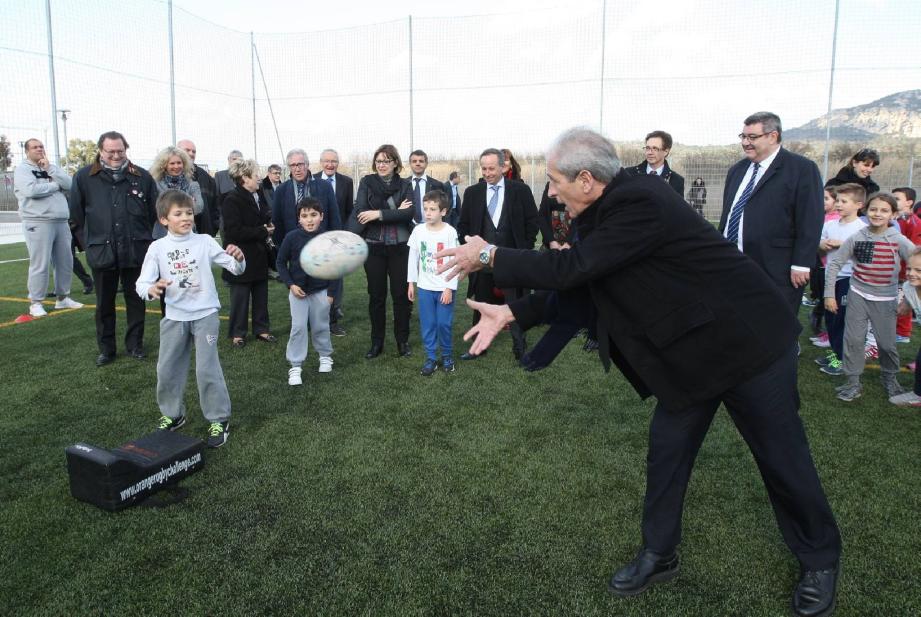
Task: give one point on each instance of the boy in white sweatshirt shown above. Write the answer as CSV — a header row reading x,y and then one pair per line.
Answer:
x,y
178,267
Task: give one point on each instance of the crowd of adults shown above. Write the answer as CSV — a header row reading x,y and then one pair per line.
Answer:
x,y
694,315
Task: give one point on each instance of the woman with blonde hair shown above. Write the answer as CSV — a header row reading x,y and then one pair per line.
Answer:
x,y
173,169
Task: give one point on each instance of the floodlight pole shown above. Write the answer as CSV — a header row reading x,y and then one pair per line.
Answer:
x,y
54,96
64,113
411,119
172,75
831,85
604,30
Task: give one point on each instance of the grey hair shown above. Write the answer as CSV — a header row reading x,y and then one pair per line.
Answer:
x,y
499,153
238,169
329,150
234,154
769,121
581,149
294,151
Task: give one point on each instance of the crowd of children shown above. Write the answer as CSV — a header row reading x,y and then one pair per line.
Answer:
x,y
866,280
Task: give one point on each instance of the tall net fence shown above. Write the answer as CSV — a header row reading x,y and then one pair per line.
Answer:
x,y
453,86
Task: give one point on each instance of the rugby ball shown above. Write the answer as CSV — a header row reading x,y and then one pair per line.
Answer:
x,y
333,254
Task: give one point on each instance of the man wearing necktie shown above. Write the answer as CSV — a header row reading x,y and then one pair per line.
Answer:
x,y
420,182
658,146
503,213
773,206
343,189
292,191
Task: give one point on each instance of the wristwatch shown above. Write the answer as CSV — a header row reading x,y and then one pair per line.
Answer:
x,y
485,254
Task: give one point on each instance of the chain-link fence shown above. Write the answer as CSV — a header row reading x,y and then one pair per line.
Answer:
x,y
456,85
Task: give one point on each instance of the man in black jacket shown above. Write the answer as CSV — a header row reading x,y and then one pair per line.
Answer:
x,y
112,203
658,147
207,221
690,320
504,213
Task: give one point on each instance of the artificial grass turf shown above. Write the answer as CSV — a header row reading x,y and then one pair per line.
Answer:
x,y
373,490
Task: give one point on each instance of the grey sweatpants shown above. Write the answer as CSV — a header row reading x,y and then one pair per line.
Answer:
x,y
313,311
176,341
48,243
882,315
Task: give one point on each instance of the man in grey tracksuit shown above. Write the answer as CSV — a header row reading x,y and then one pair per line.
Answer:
x,y
39,186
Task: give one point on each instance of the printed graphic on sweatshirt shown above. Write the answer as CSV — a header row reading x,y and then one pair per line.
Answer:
x,y
876,262
184,272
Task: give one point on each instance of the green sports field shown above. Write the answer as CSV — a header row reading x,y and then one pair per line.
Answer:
x,y
375,491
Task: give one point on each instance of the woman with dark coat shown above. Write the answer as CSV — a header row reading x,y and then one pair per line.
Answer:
x,y
248,224
383,215
858,171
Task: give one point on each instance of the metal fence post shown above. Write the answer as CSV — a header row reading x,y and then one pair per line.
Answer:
x,y
831,85
172,75
54,96
411,119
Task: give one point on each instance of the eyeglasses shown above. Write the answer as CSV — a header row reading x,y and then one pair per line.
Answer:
x,y
653,149
297,165
752,137
383,161
113,152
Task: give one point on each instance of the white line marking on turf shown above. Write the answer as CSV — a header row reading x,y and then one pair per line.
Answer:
x,y
9,261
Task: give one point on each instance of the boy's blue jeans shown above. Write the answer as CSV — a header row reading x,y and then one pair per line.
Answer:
x,y
435,320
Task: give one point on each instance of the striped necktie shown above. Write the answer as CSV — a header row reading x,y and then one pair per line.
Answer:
x,y
735,219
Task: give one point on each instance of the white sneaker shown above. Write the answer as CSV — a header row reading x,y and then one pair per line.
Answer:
x,y
294,376
326,364
907,398
37,310
67,303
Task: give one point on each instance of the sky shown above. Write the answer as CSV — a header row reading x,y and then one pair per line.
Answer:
x,y
484,74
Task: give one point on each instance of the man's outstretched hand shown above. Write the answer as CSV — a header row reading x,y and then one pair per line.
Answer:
x,y
493,317
465,258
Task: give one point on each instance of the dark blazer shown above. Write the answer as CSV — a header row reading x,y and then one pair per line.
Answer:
x,y
345,194
674,179
431,184
209,220
244,225
403,219
518,205
284,210
681,312
783,218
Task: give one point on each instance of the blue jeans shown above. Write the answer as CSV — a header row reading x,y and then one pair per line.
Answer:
x,y
435,320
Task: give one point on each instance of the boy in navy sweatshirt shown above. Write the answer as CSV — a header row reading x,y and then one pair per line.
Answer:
x,y
308,298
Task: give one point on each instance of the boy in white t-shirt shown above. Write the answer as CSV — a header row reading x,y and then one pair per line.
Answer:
x,y
848,202
178,267
435,296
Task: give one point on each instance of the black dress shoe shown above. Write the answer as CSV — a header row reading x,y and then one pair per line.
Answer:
x,y
336,330
375,351
469,356
88,288
646,569
105,358
137,353
403,349
814,595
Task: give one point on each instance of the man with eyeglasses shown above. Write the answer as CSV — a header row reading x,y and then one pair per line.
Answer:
x,y
773,206
112,204
344,189
658,146
300,185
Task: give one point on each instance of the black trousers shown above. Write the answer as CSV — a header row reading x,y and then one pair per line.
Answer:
x,y
483,287
388,263
106,282
765,410
240,294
